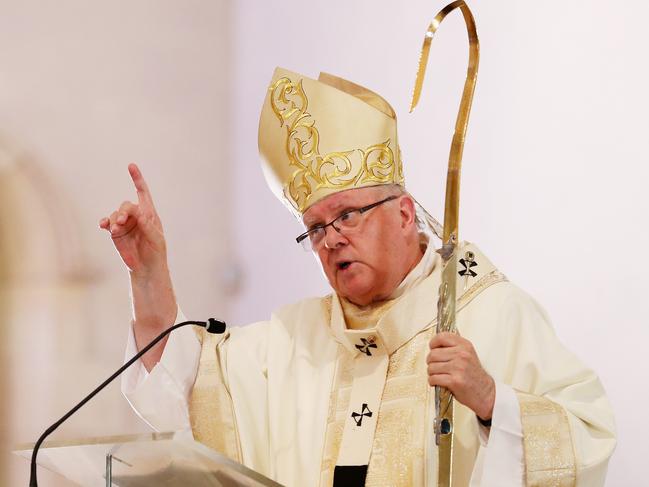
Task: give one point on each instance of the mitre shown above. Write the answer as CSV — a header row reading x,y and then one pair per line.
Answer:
x,y
319,137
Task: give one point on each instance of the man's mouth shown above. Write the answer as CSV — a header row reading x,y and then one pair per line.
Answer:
x,y
343,265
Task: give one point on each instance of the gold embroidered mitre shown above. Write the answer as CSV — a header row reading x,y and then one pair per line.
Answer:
x,y
321,137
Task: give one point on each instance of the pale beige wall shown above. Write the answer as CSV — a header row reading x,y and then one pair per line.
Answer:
x,y
4,362
47,280
86,88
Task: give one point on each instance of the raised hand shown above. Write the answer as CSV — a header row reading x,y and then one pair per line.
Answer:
x,y
136,231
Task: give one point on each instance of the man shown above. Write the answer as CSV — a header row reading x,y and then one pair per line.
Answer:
x,y
336,390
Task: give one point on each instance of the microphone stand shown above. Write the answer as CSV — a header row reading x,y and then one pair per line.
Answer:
x,y
212,326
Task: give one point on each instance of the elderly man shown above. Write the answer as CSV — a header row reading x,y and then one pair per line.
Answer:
x,y
336,390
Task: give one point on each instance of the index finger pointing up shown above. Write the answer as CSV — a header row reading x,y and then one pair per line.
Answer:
x,y
143,194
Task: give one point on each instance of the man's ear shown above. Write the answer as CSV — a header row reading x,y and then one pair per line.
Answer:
x,y
407,211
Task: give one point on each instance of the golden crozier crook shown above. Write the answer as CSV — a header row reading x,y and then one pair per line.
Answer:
x,y
447,291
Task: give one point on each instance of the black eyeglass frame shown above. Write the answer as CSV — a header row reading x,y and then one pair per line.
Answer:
x,y
344,213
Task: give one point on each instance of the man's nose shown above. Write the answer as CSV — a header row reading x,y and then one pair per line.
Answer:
x,y
333,238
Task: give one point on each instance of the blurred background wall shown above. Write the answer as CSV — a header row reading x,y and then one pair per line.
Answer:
x,y
85,88
554,178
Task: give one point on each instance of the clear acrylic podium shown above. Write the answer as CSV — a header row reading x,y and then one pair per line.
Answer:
x,y
156,459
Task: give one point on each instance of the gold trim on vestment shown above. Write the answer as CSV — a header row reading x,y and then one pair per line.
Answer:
x,y
397,457
210,404
483,283
547,443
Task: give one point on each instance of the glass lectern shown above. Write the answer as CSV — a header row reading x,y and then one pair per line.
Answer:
x,y
160,459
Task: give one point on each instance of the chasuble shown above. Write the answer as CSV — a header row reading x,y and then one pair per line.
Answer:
x,y
303,398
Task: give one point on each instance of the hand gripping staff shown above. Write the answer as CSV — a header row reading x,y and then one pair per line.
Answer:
x,y
446,305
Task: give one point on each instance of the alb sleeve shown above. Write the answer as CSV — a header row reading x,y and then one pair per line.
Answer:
x,y
169,383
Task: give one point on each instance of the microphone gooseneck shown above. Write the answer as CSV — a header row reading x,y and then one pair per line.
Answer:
x,y
212,325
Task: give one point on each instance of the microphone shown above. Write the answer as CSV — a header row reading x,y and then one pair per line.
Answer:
x,y
212,325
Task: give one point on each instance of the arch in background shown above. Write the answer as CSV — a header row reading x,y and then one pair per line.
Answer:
x,y
43,272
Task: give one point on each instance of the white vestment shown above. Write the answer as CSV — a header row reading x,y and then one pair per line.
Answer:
x,y
301,393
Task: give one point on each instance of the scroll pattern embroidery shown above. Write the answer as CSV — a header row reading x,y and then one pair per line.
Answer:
x,y
335,170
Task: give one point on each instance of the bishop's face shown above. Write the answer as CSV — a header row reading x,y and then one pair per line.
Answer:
x,y
366,264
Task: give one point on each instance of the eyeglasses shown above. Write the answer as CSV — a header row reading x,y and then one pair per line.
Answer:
x,y
313,238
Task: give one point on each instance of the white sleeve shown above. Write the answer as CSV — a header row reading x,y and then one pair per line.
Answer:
x,y
500,461
160,397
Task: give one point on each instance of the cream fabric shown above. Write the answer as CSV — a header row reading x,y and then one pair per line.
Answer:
x,y
289,381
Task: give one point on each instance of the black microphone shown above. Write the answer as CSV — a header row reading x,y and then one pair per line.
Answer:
x,y
211,325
